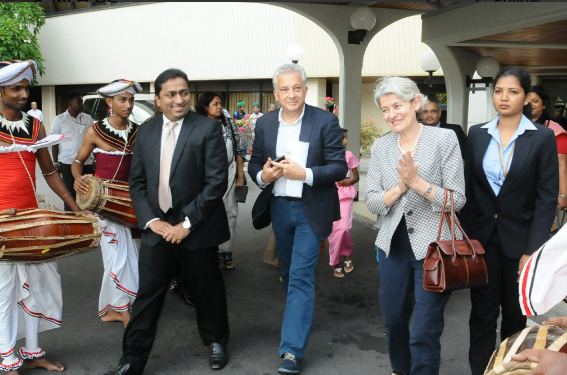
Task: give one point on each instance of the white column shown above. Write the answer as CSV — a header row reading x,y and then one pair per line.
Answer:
x,y
456,64
317,88
152,87
350,94
48,106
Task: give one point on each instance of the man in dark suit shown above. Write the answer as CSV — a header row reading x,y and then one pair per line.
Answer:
x,y
177,181
302,197
431,115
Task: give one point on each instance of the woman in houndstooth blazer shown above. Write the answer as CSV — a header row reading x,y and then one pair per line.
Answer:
x,y
408,172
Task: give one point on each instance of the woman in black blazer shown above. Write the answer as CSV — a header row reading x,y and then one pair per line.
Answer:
x,y
512,182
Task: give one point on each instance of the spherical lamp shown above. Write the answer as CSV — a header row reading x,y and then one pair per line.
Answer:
x,y
487,67
363,19
295,53
429,62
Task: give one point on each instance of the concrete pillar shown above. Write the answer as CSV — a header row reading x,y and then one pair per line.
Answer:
x,y
48,105
317,88
456,64
350,94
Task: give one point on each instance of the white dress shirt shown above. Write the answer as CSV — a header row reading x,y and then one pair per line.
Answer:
x,y
176,131
288,134
36,113
74,130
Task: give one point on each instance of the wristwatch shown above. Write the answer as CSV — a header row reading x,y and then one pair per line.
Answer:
x,y
187,224
427,191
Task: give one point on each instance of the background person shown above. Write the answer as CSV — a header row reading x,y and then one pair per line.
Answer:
x,y
431,115
303,197
112,140
559,116
210,105
271,107
409,170
73,123
539,100
340,242
512,179
34,112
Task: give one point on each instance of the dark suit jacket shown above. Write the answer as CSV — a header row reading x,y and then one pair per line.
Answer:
x,y
524,209
461,136
326,159
198,180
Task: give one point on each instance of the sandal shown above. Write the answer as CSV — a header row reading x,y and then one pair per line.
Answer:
x,y
348,266
339,272
229,265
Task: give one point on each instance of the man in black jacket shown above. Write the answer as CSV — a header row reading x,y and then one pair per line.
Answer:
x,y
177,181
431,116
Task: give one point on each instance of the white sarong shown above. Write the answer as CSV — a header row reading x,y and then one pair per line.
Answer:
x,y
36,289
120,257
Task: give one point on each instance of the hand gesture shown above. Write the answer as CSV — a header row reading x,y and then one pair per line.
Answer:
x,y
408,170
549,362
291,170
559,321
159,227
80,185
176,234
345,182
270,172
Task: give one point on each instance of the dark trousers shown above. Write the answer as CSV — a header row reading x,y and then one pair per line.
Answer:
x,y
157,265
501,292
68,179
401,278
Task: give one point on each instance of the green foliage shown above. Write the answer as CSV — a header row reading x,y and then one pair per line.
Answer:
x,y
19,27
368,134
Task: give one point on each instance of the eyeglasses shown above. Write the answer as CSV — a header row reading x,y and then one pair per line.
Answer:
x,y
433,112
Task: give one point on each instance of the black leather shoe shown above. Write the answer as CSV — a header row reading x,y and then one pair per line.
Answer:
x,y
174,288
188,298
219,356
120,370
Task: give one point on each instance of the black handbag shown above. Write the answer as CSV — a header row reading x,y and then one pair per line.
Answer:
x,y
261,217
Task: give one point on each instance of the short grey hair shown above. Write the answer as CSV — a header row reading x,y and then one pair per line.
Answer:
x,y
289,68
403,87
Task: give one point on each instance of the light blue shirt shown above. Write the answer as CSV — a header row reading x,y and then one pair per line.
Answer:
x,y
287,135
491,162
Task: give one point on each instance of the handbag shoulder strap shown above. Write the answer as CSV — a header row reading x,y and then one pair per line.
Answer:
x,y
442,216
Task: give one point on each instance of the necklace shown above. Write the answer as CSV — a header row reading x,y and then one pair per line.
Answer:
x,y
123,133
505,169
414,145
15,125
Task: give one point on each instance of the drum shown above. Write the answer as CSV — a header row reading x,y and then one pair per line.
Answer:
x,y
543,337
38,235
110,199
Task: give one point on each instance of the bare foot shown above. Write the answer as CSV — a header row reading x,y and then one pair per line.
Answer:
x,y
13,372
43,362
115,316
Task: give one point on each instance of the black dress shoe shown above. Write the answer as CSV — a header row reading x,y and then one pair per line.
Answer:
x,y
120,370
188,298
219,356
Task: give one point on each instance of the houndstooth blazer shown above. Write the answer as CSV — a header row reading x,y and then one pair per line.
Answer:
x,y
440,164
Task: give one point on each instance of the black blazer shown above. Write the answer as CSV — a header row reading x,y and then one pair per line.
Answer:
x,y
461,136
524,209
326,159
198,180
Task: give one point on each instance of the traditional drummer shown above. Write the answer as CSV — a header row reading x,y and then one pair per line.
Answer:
x,y
30,294
112,140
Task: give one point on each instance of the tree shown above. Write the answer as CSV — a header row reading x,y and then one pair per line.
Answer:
x,y
19,26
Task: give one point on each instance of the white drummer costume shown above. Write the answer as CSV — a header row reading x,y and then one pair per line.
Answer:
x,y
119,250
30,294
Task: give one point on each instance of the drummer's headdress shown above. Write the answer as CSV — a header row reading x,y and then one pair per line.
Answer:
x,y
120,86
14,71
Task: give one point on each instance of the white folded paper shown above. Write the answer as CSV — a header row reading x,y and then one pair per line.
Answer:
x,y
299,152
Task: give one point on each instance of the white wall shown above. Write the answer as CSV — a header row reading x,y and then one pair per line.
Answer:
x,y
225,41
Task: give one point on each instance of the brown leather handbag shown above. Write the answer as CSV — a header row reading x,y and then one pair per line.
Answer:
x,y
453,264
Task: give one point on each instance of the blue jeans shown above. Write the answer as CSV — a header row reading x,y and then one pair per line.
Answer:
x,y
401,277
298,253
